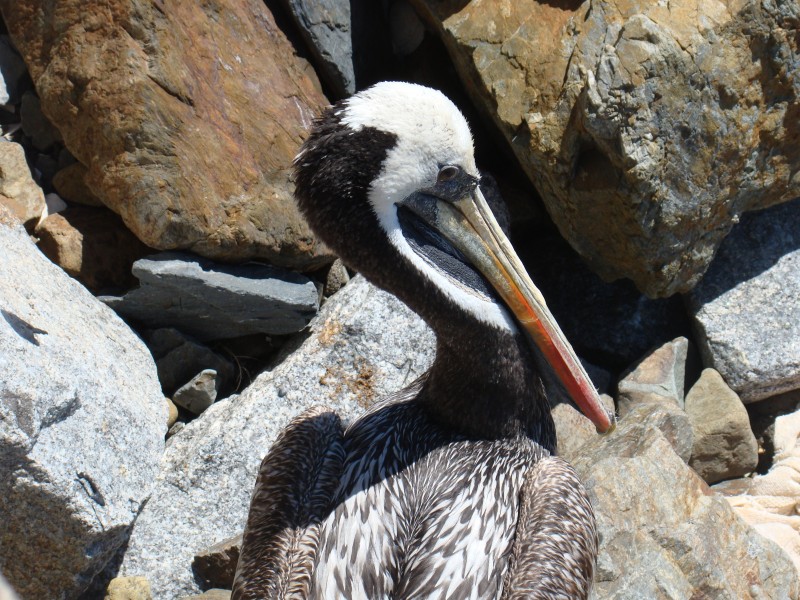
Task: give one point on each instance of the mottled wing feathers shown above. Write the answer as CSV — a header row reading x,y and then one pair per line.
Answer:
x,y
556,541
293,494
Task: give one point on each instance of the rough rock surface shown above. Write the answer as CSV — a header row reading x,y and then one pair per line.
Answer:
x,y
724,445
93,246
35,125
659,377
18,191
663,534
647,127
128,588
746,311
216,566
213,301
363,345
187,116
199,393
82,422
70,185
12,69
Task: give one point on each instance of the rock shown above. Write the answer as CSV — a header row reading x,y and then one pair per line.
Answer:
x,y
179,357
172,414
128,588
213,301
659,377
82,422
326,28
214,594
662,533
12,71
69,183
746,312
620,113
724,446
18,192
611,323
573,429
192,149
407,28
336,278
93,246
6,591
363,345
216,566
35,125
198,394
55,204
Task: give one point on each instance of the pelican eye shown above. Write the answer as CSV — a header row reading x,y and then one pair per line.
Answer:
x,y
447,173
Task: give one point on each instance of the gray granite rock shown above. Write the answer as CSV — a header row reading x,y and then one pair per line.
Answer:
x,y
82,422
724,445
326,27
663,534
12,69
213,301
746,308
363,345
659,377
179,357
199,393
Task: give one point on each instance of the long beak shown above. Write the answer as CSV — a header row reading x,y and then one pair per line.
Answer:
x,y
467,222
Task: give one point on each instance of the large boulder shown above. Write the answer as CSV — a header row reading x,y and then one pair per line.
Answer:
x,y
82,424
363,345
647,127
663,533
187,116
746,309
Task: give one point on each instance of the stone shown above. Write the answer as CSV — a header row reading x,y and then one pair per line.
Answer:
x,y
663,534
724,445
12,71
363,345
70,184
213,594
199,393
745,310
55,204
179,358
573,429
35,125
93,246
128,588
172,414
18,192
326,28
336,278
406,27
659,377
216,566
82,423
647,127
612,324
193,149
211,300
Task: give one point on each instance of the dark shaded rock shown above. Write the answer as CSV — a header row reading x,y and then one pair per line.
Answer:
x,y
746,310
35,125
214,301
93,246
187,116
70,185
216,566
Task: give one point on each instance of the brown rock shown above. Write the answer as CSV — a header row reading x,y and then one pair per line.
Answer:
x,y
647,127
187,116
213,594
128,588
216,566
658,377
18,191
92,245
724,445
70,185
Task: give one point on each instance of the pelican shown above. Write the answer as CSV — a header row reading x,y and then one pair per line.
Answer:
x,y
450,488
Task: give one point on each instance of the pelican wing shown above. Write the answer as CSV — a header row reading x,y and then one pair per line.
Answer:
x,y
556,540
293,494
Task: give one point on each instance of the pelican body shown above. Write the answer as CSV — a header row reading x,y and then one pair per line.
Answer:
x,y
450,488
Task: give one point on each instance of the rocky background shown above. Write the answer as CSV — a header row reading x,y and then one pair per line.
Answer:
x,y
165,310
